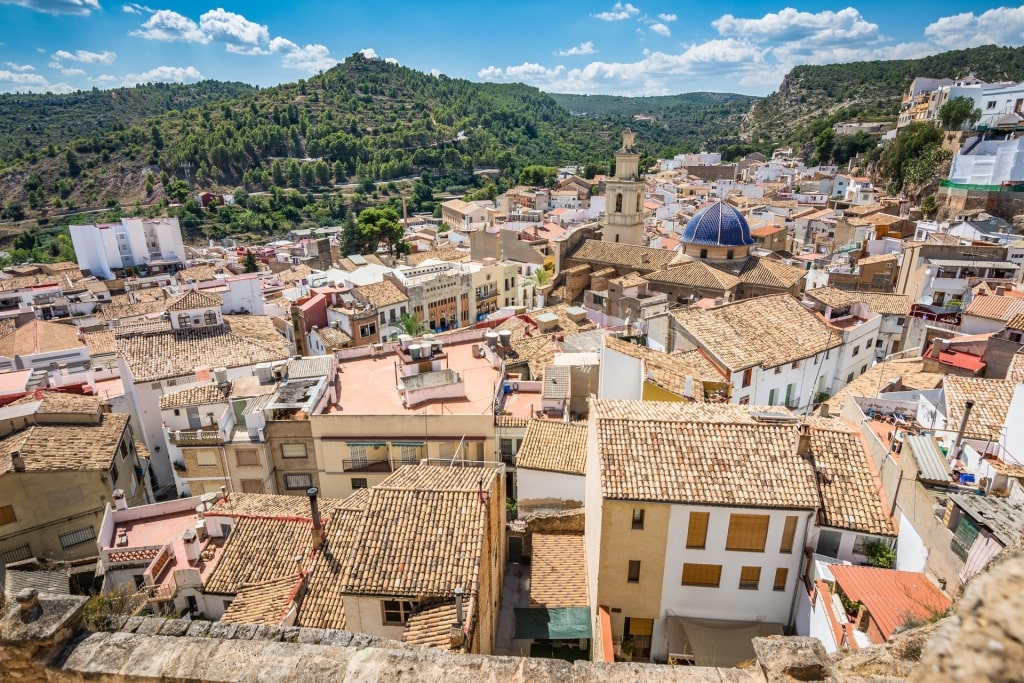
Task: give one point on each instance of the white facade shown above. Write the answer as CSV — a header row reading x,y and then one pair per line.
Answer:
x,y
729,601
857,353
991,162
133,243
792,384
542,490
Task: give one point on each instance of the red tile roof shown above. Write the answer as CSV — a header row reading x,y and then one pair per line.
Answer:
x,y
891,597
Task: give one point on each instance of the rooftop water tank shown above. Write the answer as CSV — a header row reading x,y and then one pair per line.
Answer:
x,y
415,351
491,337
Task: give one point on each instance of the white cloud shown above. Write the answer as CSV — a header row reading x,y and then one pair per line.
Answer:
x,y
618,12
86,57
65,71
21,78
369,53
490,73
19,67
233,28
104,79
435,72
788,24
667,18
1002,26
129,9
309,58
661,29
136,8
586,48
165,74
170,26
391,60
77,7
14,81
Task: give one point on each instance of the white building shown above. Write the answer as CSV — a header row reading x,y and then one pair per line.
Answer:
x,y
551,467
147,245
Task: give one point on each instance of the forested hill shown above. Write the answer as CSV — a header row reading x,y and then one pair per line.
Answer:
x,y
868,89
33,122
363,119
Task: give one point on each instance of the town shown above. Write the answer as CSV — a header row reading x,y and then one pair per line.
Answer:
x,y
649,416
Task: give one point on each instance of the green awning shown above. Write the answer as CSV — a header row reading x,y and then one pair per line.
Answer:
x,y
558,623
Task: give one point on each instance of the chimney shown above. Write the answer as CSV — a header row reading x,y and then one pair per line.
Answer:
x,y
316,533
106,407
824,410
968,407
191,542
803,444
935,349
119,502
224,493
17,461
457,634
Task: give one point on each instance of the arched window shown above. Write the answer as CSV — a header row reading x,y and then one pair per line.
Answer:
x,y
210,318
618,203
639,201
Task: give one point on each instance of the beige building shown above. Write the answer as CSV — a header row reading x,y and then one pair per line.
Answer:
x,y
62,458
625,214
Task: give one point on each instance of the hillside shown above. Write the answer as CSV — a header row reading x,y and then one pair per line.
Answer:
x,y
361,120
866,89
33,122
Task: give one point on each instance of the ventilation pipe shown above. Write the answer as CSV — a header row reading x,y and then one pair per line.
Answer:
x,y
316,532
957,445
457,634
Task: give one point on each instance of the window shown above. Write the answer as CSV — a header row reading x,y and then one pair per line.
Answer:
x,y
771,397
778,369
114,474
368,330
293,450
247,457
294,482
748,376
706,575
638,519
788,534
16,554
849,378
867,344
358,483
73,539
900,321
184,320
781,574
796,364
878,343
396,612
750,577
859,543
252,486
747,533
618,203
863,369
697,533
7,515
991,105
856,350
745,401
206,458
210,318
634,571
703,253
358,454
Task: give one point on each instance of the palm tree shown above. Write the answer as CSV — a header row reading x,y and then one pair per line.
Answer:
x,y
410,324
539,278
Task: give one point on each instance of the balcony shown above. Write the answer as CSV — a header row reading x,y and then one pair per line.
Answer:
x,y
378,466
204,436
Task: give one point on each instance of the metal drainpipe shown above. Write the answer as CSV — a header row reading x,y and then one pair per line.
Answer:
x,y
968,407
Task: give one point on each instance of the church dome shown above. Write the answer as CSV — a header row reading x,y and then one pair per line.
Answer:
x,y
718,225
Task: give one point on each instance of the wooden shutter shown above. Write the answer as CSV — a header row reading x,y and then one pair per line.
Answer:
x,y
697,534
747,533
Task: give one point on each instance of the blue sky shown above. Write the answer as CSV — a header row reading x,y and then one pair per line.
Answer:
x,y
601,46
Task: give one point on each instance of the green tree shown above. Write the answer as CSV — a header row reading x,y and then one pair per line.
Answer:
x,y
916,145
539,278
410,324
74,169
538,176
178,191
958,111
350,239
929,206
379,225
251,265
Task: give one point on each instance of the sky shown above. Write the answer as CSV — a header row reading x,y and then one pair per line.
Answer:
x,y
595,47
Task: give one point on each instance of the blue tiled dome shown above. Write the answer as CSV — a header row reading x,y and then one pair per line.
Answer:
x,y
718,225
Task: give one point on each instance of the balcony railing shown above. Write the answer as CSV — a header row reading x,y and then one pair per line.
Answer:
x,y
196,437
367,466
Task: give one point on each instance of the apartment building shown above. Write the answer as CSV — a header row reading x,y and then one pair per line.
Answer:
x,y
145,246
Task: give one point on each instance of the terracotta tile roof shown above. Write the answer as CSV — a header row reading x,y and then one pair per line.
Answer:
x,y
695,274
100,343
259,549
664,370
65,447
536,353
294,274
909,371
422,533
554,447
511,421
245,340
333,338
991,404
630,280
270,505
323,606
863,209
1016,322
196,274
883,304
39,336
644,259
265,603
27,281
383,293
705,368
525,325
850,489
766,331
432,625
200,395
126,328
7,325
558,571
120,308
891,597
658,453
1015,372
61,402
995,307
193,299
444,253
764,272
134,555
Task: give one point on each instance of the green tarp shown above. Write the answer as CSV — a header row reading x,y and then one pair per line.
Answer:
x,y
559,623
